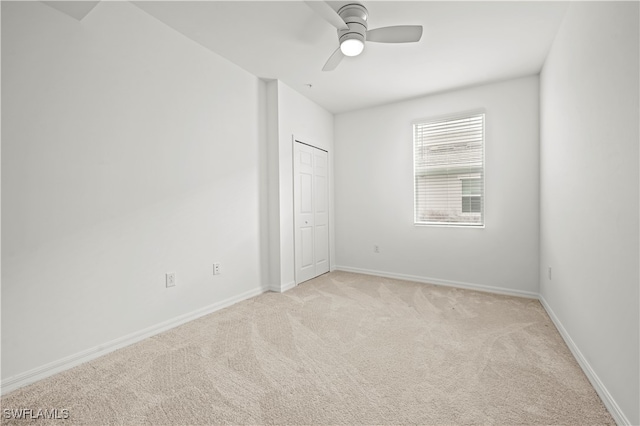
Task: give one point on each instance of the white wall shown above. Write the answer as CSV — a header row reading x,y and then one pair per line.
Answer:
x,y
374,192
589,193
128,151
296,117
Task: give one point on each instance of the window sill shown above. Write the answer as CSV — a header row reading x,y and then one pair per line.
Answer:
x,y
446,225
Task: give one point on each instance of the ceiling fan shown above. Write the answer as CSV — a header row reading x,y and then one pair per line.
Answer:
x,y
351,22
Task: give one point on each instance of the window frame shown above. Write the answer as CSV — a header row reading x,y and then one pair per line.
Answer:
x,y
452,116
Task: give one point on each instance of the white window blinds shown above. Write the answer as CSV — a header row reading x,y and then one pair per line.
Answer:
x,y
449,171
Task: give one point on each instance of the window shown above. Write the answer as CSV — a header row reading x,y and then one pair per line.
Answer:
x,y
449,171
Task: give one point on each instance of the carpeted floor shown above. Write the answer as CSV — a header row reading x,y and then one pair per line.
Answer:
x,y
340,349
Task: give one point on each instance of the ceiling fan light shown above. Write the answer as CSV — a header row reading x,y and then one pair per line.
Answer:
x,y
352,47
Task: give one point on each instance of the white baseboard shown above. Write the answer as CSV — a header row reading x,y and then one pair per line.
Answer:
x,y
39,373
597,384
447,283
288,286
282,289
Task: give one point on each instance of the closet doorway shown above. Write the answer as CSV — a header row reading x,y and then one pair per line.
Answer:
x,y
311,216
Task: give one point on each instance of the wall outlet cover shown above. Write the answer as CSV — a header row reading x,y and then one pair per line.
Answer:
x,y
171,279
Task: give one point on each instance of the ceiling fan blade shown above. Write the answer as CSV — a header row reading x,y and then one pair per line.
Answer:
x,y
334,60
328,14
396,34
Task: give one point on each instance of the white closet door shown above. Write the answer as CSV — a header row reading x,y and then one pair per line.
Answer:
x,y
310,168
321,210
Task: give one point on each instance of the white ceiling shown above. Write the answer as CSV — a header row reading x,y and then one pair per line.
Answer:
x,y
464,44
75,9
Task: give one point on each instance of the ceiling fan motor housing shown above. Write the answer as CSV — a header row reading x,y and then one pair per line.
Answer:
x,y
355,16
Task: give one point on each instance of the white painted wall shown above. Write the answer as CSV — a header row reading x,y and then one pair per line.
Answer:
x,y
589,192
128,151
303,119
374,192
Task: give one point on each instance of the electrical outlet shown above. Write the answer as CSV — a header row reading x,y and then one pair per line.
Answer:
x,y
216,269
549,272
171,279
376,249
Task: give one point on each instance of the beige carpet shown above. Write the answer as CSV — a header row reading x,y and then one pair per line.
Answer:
x,y
340,349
